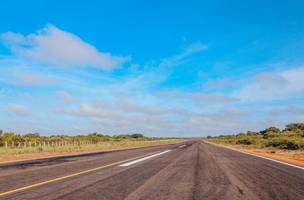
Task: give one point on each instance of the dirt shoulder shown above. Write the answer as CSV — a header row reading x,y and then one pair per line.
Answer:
x,y
295,157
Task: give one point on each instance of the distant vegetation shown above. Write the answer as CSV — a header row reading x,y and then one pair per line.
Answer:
x,y
290,138
13,144
11,137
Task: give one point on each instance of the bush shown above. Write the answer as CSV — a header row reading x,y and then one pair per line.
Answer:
x,y
295,127
270,135
245,141
283,144
270,129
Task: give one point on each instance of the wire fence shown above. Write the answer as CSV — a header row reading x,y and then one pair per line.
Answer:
x,y
31,144
47,144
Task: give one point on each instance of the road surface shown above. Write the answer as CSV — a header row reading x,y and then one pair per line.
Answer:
x,y
192,170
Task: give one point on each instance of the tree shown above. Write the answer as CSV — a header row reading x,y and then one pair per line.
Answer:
x,y
295,127
8,137
251,133
270,130
137,135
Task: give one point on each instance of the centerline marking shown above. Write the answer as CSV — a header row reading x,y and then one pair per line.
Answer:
x,y
75,174
142,159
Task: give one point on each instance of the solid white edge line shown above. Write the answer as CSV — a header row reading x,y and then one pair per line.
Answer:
x,y
277,161
144,158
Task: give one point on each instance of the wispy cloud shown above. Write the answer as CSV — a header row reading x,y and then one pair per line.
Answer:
x,y
214,98
179,58
32,79
199,97
278,85
54,46
219,83
66,97
18,109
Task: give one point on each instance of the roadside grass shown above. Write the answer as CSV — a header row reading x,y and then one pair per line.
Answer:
x,y
281,142
103,146
290,138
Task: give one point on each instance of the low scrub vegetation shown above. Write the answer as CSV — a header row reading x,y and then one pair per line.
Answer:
x,y
12,143
34,138
290,138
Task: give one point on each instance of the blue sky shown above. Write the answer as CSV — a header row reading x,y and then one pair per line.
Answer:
x,y
188,68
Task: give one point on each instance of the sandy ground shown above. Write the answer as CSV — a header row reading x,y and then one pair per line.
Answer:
x,y
290,156
294,157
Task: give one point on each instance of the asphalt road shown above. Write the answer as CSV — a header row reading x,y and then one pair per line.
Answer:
x,y
192,170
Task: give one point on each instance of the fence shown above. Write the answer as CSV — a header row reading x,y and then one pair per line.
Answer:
x,y
63,143
47,144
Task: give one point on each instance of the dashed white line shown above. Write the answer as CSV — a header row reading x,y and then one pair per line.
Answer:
x,y
182,146
142,159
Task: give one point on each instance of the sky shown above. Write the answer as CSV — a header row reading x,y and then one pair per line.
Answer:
x,y
161,68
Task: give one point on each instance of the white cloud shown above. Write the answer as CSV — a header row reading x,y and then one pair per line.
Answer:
x,y
194,48
65,97
29,78
270,81
273,86
56,47
18,109
24,95
105,114
147,109
214,98
180,58
198,97
218,83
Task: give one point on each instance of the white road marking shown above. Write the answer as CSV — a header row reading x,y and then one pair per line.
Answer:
x,y
142,159
277,161
182,146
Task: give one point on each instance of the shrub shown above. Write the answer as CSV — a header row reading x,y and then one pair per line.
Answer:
x,y
245,141
251,133
270,129
270,135
295,127
283,144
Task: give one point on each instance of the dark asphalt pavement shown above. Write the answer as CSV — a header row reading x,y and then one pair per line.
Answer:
x,y
193,170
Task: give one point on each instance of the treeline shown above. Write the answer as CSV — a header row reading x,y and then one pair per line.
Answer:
x,y
291,137
11,137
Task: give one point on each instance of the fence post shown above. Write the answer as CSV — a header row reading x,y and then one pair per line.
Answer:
x,y
6,145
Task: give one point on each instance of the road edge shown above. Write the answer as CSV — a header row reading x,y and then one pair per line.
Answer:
x,y
257,155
